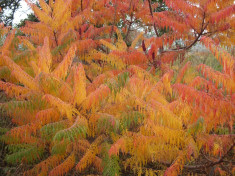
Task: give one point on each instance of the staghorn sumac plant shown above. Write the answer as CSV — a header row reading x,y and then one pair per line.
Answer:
x,y
89,96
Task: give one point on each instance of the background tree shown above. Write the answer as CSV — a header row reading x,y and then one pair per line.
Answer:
x,y
9,8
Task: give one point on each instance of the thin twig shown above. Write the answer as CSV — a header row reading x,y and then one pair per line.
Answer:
x,y
114,19
129,29
56,41
151,12
203,166
89,79
81,6
204,26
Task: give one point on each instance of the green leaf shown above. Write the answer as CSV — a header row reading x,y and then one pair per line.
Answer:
x,y
72,133
30,155
110,164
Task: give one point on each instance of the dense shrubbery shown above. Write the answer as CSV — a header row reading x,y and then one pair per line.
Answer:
x,y
84,92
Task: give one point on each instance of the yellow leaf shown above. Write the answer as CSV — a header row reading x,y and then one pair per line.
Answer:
x,y
108,45
20,74
45,57
79,85
64,108
62,69
46,8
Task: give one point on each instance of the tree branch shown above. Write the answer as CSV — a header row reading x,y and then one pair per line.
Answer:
x,y
196,39
129,29
114,19
210,163
151,12
203,166
89,79
81,6
56,41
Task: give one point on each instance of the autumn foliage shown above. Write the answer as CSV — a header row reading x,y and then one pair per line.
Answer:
x,y
105,87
